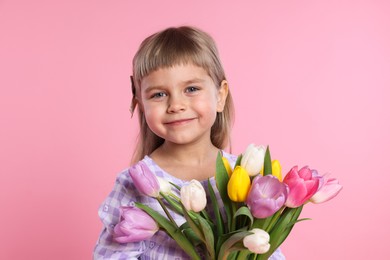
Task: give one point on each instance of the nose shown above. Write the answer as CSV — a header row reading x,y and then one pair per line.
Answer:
x,y
176,104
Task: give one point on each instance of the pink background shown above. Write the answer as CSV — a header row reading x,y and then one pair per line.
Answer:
x,y
309,78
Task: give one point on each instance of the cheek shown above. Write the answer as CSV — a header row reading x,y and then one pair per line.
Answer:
x,y
150,112
210,105
208,109
152,119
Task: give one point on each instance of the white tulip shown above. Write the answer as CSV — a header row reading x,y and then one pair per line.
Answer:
x,y
193,196
258,242
253,159
165,186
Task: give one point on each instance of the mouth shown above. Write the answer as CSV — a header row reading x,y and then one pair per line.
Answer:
x,y
179,122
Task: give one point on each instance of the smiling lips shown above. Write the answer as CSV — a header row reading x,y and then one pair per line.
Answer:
x,y
179,122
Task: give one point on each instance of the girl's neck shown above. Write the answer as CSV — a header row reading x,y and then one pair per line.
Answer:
x,y
189,154
187,162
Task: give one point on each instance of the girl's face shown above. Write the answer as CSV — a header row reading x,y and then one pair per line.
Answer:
x,y
180,103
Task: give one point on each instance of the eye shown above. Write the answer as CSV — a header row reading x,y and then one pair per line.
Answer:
x,y
191,89
158,95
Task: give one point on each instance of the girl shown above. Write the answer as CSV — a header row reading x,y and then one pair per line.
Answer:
x,y
185,113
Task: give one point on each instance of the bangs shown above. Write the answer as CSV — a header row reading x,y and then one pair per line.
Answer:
x,y
175,47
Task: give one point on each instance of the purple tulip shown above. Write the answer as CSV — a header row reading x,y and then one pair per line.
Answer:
x,y
266,196
144,179
302,185
135,225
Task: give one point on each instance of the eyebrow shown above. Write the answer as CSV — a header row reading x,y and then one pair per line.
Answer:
x,y
151,88
186,82
194,80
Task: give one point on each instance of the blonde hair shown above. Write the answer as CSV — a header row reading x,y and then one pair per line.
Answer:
x,y
179,46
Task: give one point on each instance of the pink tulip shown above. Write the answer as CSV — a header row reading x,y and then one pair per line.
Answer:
x,y
266,196
328,189
302,186
144,179
135,225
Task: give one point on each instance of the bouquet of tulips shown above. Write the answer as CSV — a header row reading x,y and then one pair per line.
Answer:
x,y
259,207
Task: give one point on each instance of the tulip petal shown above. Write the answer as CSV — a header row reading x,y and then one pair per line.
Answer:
x,y
297,192
239,185
305,173
292,174
258,242
303,184
227,166
276,169
253,159
327,191
144,179
165,186
193,196
135,225
266,196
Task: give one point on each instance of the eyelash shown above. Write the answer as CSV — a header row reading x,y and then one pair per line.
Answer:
x,y
190,89
158,95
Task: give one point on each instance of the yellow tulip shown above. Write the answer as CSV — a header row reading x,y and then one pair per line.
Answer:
x,y
227,166
239,185
276,170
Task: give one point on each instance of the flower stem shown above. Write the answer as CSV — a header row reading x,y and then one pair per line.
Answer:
x,y
174,196
167,212
233,219
206,216
274,219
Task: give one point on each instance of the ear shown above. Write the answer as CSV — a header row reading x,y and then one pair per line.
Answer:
x,y
135,99
222,94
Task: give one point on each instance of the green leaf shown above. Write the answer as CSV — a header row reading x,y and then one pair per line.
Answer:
x,y
244,211
175,205
176,234
206,216
175,185
190,234
222,179
267,162
238,161
217,213
193,222
208,235
235,252
262,223
299,220
244,253
282,229
229,245
273,219
225,237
